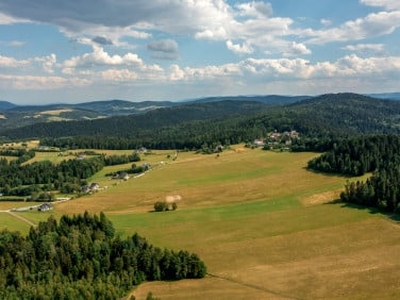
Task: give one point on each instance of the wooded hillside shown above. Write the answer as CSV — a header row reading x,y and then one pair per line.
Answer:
x,y
192,125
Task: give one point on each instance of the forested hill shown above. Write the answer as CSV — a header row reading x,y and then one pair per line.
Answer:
x,y
13,116
122,107
345,114
270,99
6,105
190,125
128,126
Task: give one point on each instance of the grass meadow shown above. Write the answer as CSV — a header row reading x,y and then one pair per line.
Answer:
x,y
263,224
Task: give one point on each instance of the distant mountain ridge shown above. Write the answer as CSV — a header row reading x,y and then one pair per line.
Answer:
x,y
5,105
389,96
13,115
102,107
124,107
192,123
270,99
22,115
357,112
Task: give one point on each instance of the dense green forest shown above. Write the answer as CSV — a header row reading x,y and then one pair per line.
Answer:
x,y
139,126
356,156
228,122
81,257
14,116
380,191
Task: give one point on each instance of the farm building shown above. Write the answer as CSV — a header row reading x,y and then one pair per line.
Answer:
x,y
45,207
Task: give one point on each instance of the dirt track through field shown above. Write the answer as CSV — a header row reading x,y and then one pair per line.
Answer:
x,y
252,286
21,218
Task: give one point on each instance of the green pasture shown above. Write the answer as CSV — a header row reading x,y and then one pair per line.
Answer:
x,y
264,225
53,157
9,222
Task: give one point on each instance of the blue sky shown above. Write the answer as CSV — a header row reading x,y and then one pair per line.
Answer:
x,y
74,51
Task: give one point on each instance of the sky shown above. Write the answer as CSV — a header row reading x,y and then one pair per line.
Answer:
x,y
76,51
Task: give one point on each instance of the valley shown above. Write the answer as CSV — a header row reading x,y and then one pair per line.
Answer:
x,y
249,216
267,223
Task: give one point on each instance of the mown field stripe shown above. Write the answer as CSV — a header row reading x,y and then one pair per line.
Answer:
x,y
253,286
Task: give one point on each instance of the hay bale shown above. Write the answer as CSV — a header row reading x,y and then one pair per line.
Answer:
x,y
173,198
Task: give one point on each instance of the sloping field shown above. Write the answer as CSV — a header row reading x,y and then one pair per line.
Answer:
x,y
9,221
260,221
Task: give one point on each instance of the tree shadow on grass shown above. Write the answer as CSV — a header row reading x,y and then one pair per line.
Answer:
x,y
371,210
328,174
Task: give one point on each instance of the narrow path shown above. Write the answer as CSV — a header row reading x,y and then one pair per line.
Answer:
x,y
252,286
21,218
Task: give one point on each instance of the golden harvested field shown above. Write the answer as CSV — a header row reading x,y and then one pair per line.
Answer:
x,y
27,144
55,112
262,223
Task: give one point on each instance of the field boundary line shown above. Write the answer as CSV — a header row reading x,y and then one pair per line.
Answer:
x,y
252,286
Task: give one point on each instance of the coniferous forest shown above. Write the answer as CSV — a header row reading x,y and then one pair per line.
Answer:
x,y
227,122
68,176
81,257
359,155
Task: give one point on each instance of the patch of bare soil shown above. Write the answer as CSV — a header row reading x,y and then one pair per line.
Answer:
x,y
321,198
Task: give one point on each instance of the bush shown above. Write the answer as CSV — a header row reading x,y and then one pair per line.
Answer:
x,y
160,206
163,206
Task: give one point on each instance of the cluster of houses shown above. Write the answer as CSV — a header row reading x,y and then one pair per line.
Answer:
x,y
89,188
95,187
277,138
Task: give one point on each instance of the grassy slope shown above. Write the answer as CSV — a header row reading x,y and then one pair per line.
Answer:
x,y
259,221
10,222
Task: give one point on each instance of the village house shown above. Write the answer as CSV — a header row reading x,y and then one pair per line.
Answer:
x,y
121,175
93,187
141,150
45,207
259,142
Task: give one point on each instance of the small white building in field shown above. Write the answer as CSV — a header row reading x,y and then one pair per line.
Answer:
x,y
45,207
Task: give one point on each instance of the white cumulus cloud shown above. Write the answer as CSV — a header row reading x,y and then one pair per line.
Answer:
x,y
296,49
239,49
255,9
388,4
10,62
373,25
365,48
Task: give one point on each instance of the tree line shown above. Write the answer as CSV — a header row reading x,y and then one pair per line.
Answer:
x,y
80,257
22,155
23,180
224,122
377,154
67,176
357,156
